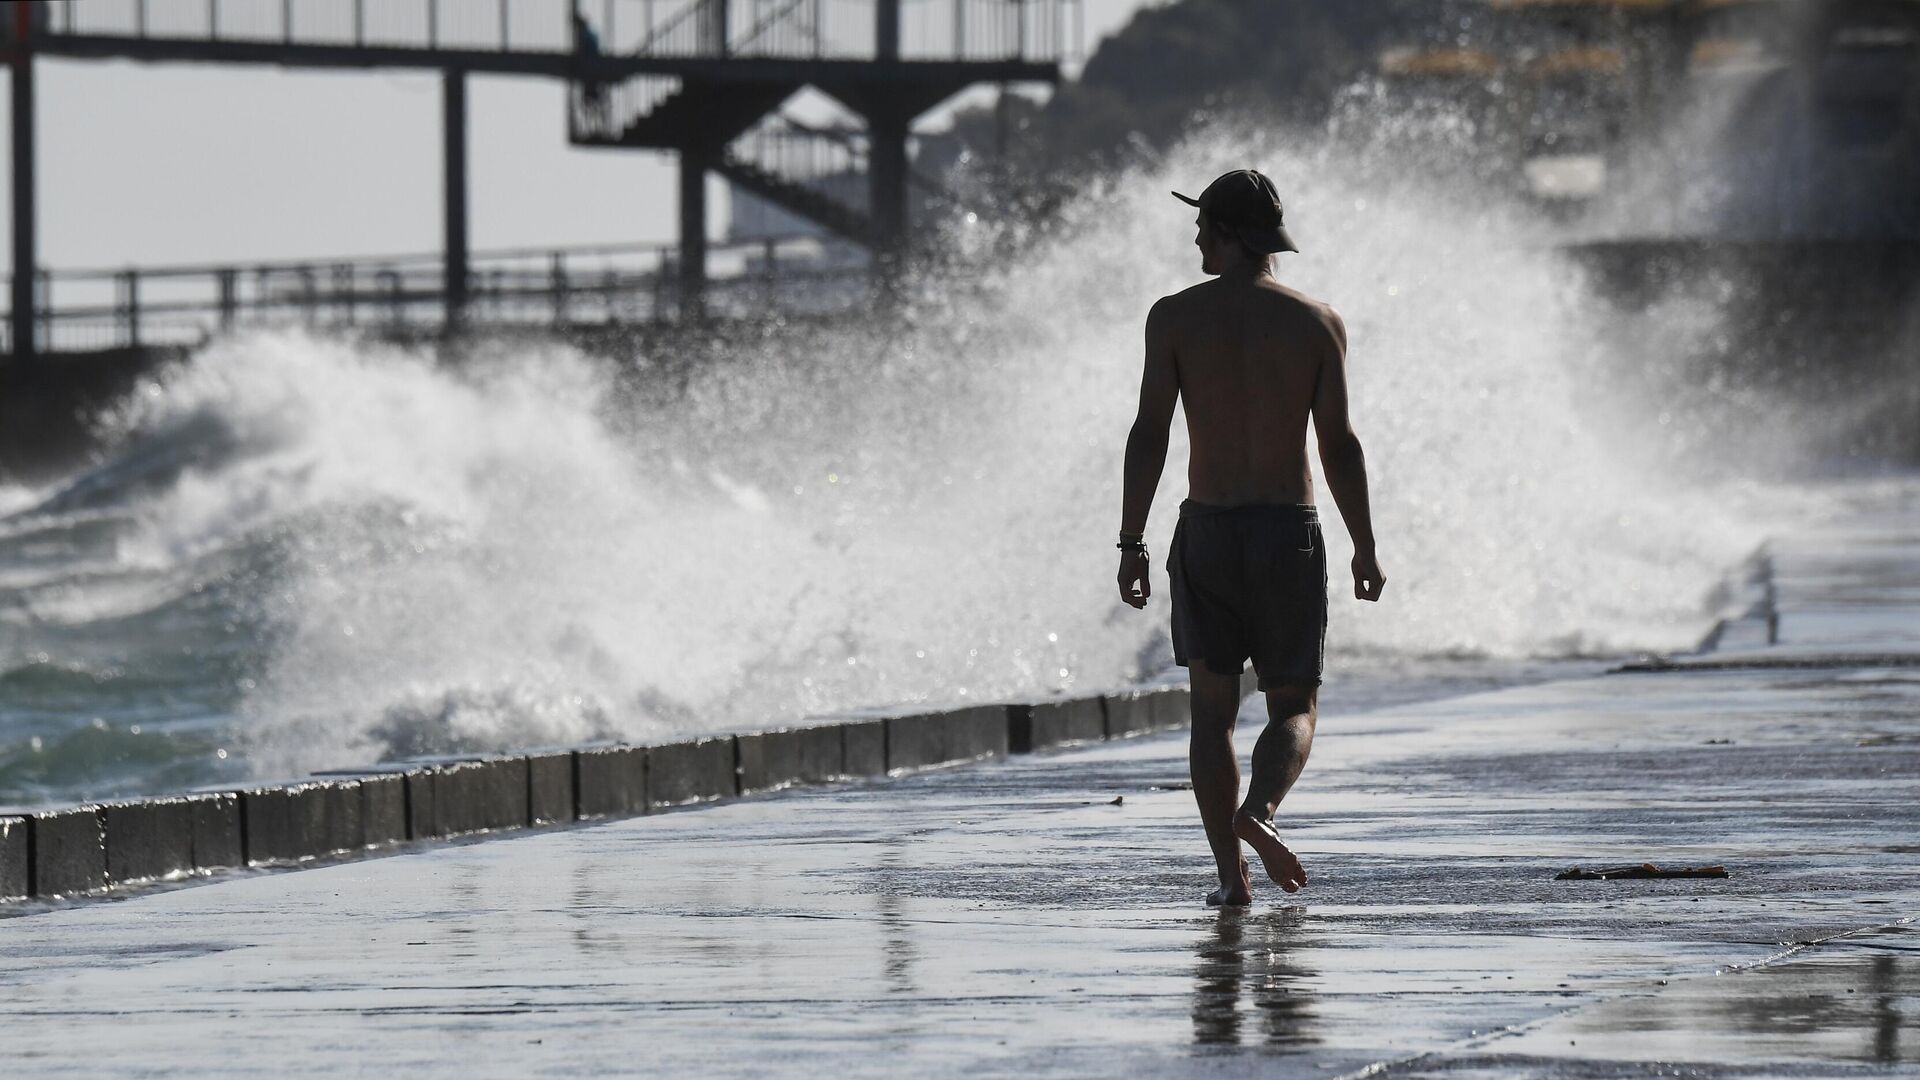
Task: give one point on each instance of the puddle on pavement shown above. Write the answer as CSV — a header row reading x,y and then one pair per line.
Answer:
x,y
1857,1002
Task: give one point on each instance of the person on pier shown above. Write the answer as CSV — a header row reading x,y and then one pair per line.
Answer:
x,y
1252,360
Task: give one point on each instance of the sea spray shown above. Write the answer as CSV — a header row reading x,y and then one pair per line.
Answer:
x,y
388,555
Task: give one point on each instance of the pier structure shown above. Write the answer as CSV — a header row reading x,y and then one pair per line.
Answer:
x,y
689,77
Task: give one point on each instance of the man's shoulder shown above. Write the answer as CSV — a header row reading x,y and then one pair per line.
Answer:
x,y
1176,309
1184,300
1313,310
1293,298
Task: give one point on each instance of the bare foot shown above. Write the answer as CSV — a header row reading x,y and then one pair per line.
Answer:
x,y
1238,894
1282,866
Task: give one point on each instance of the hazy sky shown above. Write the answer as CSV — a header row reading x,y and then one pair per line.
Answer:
x,y
149,165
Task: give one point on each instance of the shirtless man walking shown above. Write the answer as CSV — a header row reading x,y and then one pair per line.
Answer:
x,y
1253,360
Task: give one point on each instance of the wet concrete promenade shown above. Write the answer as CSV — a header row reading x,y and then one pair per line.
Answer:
x,y
1043,916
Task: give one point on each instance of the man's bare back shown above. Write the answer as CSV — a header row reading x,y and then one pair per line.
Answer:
x,y
1248,353
1254,361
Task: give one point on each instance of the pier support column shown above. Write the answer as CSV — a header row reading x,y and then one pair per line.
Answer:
x,y
887,125
693,233
26,259
454,158
887,183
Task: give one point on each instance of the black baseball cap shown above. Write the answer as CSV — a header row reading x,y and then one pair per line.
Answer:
x,y
1246,202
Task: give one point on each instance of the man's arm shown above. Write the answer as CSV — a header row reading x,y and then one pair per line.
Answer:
x,y
1344,462
1147,451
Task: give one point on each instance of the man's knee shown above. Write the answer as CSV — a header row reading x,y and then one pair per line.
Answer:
x,y
1292,699
1214,702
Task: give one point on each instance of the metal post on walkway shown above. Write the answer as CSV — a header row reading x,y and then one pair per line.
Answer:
x,y
343,291
557,282
229,301
390,284
693,233
25,242
309,294
130,307
454,155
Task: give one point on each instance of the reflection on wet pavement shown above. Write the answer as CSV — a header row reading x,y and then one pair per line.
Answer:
x,y
1253,962
1856,1000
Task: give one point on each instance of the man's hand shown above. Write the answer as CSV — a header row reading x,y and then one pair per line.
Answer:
x,y
1135,585
1368,581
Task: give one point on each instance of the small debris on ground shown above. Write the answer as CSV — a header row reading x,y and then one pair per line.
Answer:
x,y
1644,870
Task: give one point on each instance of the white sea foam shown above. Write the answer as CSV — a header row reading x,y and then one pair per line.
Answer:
x,y
514,552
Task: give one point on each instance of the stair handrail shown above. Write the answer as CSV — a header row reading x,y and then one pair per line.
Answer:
x,y
852,139
621,105
687,15
768,22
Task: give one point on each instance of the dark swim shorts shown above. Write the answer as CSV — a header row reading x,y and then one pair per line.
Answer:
x,y
1250,581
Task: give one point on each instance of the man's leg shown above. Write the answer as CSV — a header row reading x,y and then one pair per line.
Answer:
x,y
1216,777
1277,760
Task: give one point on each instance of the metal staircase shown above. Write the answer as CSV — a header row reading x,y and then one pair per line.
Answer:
x,y
659,112
819,173
805,170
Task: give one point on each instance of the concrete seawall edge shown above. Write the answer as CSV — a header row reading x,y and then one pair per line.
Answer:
x,y
88,850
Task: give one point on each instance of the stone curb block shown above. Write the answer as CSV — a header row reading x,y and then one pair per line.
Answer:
x,y
1043,725
1172,709
301,821
421,813
69,851
863,747
610,781
217,840
148,840
771,760
1128,714
381,810
688,772
266,825
16,880
342,824
479,796
550,795
917,742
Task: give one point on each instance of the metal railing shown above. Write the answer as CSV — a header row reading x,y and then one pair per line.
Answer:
x,y
491,25
981,30
406,295
707,28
